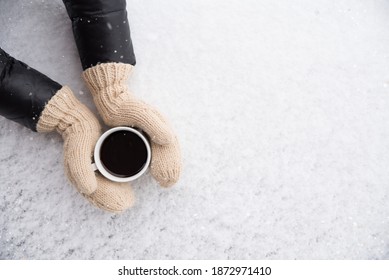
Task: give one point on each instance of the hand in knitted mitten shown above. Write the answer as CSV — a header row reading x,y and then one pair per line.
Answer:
x,y
80,131
118,107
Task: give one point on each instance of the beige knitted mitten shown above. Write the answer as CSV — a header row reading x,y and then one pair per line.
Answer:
x,y
80,130
118,107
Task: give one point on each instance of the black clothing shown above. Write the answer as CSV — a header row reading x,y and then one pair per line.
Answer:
x,y
24,92
101,31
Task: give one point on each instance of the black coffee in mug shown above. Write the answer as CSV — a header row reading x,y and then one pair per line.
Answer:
x,y
123,153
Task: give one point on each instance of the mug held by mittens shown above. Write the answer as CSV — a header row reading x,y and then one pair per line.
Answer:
x,y
41,104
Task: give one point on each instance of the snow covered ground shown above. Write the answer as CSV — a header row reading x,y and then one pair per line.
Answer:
x,y
282,108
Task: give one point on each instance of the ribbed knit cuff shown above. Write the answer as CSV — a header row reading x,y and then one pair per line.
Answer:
x,y
64,113
107,75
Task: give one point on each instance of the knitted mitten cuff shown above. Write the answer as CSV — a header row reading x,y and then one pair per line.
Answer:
x,y
113,76
65,114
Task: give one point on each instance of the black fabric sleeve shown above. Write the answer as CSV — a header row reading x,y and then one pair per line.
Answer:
x,y
101,31
24,91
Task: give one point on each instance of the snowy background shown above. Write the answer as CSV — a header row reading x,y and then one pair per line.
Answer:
x,y
282,108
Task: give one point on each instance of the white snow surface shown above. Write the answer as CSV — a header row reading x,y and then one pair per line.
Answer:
x,y
282,111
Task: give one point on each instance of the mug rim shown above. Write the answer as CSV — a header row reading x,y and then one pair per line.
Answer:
x,y
101,168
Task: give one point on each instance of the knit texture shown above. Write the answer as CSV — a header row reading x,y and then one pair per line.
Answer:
x,y
80,131
119,107
112,197
166,163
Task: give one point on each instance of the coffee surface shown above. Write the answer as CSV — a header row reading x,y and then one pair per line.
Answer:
x,y
123,154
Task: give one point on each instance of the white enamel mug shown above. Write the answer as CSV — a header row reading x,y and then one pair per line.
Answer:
x,y
99,166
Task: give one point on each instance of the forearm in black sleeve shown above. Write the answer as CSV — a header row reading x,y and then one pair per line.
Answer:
x,y
24,91
101,31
